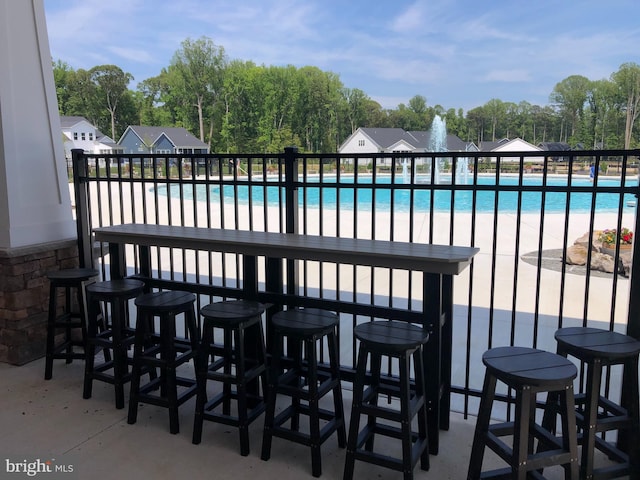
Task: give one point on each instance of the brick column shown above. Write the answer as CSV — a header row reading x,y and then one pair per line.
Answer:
x,y
24,297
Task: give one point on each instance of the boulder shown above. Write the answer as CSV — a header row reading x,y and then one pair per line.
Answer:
x,y
602,262
577,254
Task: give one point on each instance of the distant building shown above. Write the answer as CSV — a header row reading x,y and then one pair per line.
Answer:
x,y
380,140
160,140
78,132
398,140
556,147
516,145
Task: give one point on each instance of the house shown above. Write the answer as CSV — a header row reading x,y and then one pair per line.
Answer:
x,y
516,145
162,140
556,147
78,132
381,140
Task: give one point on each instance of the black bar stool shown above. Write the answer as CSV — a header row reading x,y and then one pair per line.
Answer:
x,y
597,414
404,341
243,347
68,320
528,371
165,351
116,337
302,380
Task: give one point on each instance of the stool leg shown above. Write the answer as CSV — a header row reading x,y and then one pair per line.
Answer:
x,y
338,407
295,349
67,329
314,415
274,370
482,427
51,332
228,360
422,412
569,432
521,433
202,366
592,393
354,423
376,366
90,352
405,415
241,392
136,370
629,438
168,355
83,316
120,368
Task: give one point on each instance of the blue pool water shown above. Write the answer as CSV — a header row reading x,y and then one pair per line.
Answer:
x,y
485,200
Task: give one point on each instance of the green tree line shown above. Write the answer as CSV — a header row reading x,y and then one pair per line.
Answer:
x,y
238,106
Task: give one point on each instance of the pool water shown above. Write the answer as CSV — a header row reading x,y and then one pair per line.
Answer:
x,y
383,198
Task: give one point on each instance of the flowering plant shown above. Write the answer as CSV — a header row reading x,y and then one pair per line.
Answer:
x,y
625,237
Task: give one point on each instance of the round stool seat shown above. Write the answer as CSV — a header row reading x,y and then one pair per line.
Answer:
x,y
528,366
232,312
72,275
307,321
165,301
116,288
391,335
587,343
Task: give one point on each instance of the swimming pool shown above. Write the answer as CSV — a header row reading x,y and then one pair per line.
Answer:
x,y
346,192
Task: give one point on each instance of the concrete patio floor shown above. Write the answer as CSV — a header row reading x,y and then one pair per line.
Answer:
x,y
50,421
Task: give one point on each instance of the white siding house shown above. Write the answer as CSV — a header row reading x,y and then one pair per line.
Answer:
x,y
516,145
78,132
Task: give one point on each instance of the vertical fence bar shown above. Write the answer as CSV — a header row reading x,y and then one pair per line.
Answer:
x,y
291,211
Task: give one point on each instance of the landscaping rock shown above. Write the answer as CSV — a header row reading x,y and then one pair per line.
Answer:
x,y
603,262
577,254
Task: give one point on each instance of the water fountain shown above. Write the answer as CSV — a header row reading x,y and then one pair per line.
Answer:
x,y
438,143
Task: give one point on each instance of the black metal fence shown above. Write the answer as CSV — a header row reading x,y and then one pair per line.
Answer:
x,y
522,209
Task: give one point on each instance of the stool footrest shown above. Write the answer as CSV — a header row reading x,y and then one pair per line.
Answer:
x,y
249,375
145,396
299,437
232,420
416,402
418,447
285,386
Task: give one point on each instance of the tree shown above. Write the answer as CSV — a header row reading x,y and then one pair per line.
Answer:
x,y
495,109
570,95
112,85
627,78
356,102
198,68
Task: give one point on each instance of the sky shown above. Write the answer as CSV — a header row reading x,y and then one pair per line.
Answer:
x,y
455,53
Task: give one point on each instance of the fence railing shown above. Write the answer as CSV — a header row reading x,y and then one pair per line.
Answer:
x,y
524,210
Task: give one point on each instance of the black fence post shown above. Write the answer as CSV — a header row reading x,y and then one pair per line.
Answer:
x,y
291,204
83,227
633,320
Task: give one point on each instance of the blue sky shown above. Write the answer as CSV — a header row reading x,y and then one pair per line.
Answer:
x,y
458,54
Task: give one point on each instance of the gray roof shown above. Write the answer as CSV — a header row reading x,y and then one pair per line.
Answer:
x,y
554,146
67,121
418,139
386,137
179,136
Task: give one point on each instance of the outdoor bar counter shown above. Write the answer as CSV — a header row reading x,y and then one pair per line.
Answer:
x,y
438,263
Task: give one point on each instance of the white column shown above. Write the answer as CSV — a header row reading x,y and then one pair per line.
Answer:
x,y
35,207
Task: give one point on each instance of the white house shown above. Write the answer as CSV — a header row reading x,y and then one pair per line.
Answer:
x,y
516,145
78,132
398,140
